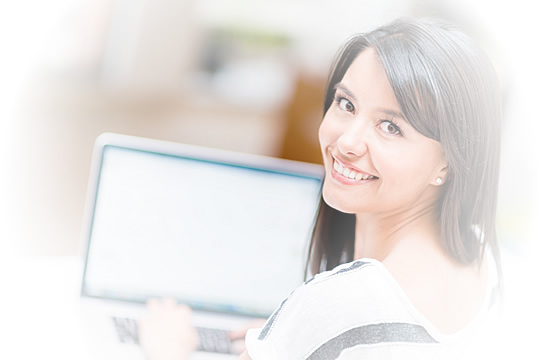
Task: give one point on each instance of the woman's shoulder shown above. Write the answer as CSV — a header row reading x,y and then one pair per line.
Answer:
x,y
361,277
346,271
357,306
352,299
355,284
350,287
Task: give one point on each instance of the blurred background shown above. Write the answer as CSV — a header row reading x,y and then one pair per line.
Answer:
x,y
243,75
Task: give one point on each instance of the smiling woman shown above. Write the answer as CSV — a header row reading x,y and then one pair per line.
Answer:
x,y
404,252
446,91
404,247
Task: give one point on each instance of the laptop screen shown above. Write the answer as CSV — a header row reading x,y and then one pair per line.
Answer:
x,y
213,235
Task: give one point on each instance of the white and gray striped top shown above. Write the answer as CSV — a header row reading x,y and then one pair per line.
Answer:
x,y
358,311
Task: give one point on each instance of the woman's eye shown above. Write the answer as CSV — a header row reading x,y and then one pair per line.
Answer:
x,y
390,128
345,105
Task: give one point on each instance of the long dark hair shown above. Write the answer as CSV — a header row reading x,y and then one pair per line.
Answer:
x,y
447,90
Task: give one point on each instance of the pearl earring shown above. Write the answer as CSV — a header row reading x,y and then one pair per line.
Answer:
x,y
438,181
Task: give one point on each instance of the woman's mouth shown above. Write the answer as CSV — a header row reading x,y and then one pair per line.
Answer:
x,y
350,174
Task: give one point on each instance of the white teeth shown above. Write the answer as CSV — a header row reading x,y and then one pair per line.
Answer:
x,y
351,174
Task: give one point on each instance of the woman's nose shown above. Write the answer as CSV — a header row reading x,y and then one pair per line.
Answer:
x,y
354,140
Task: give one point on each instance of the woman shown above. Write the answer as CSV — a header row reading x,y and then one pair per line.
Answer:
x,y
405,246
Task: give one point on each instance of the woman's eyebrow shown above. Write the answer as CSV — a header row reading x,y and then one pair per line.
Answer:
x,y
343,88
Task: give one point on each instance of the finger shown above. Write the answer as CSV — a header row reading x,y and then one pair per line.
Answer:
x,y
153,303
169,302
237,334
184,310
240,333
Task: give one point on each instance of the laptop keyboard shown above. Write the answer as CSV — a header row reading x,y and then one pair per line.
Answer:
x,y
211,340
126,329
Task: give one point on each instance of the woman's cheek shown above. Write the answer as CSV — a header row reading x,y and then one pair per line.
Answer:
x,y
326,132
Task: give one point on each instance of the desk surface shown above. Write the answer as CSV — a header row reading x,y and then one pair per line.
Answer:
x,y
39,312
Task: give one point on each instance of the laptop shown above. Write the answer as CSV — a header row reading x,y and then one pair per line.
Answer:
x,y
223,232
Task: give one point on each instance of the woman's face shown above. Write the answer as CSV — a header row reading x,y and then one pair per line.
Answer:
x,y
375,161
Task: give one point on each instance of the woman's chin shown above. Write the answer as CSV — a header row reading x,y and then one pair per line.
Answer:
x,y
339,204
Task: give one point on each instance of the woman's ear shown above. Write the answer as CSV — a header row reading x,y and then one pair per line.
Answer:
x,y
441,176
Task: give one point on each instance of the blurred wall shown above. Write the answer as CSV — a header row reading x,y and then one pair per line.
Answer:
x,y
233,74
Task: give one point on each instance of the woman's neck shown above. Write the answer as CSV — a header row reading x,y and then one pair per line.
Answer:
x,y
377,236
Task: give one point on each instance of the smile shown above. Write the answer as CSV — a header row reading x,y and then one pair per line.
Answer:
x,y
351,174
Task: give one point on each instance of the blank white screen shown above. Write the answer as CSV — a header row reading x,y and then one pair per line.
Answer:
x,y
214,236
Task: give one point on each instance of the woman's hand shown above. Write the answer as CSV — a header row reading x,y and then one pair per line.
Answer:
x,y
165,331
237,336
